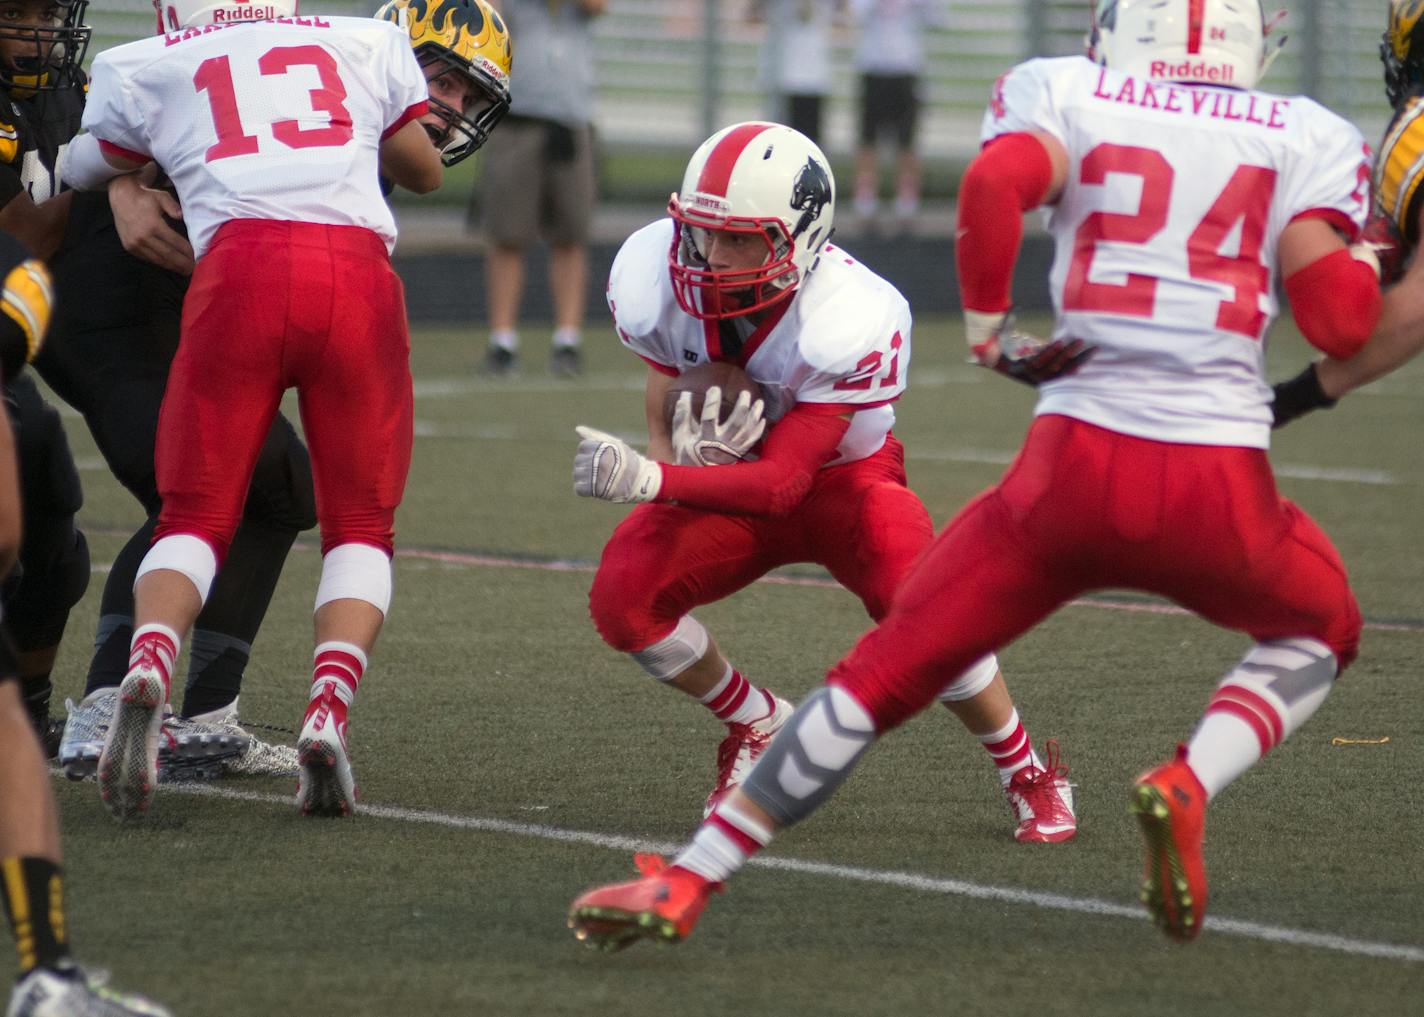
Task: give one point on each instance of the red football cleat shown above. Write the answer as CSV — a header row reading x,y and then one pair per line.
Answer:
x,y
1042,801
1170,805
662,906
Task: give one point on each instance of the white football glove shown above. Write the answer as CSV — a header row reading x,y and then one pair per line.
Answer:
x,y
609,468
714,442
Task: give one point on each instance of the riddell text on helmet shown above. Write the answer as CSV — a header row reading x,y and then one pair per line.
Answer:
x,y
1192,70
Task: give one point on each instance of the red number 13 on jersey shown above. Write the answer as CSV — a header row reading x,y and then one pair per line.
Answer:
x,y
214,76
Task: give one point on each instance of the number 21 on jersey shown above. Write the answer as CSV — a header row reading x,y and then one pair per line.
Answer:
x,y
872,370
214,76
1246,200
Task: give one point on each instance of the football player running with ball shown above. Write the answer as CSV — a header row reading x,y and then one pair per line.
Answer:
x,y
742,272
1176,195
293,287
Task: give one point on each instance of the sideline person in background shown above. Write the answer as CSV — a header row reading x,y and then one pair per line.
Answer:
x,y
796,60
539,181
890,58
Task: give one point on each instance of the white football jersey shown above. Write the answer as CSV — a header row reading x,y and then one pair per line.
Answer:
x,y
1166,238
274,119
840,344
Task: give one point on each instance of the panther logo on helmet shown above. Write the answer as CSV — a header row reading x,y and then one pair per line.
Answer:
x,y
810,193
468,38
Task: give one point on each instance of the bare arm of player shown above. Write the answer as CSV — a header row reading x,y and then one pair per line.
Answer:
x,y
1398,337
1334,296
139,212
410,159
39,227
9,498
796,447
654,393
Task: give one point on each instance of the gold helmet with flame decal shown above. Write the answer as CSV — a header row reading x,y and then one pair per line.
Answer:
x,y
468,38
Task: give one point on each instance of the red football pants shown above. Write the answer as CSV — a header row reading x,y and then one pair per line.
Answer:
x,y
859,520
1084,508
275,305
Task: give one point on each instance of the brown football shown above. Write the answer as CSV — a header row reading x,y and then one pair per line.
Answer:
x,y
730,378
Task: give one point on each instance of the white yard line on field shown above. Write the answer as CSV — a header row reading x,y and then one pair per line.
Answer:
x,y
882,877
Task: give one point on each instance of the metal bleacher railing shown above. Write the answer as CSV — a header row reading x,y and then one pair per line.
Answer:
x,y
657,59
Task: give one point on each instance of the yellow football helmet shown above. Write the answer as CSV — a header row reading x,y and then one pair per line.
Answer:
x,y
1403,49
468,38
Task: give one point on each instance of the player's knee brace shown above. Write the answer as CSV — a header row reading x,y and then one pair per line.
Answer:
x,y
684,646
811,756
355,572
282,493
38,608
193,556
972,682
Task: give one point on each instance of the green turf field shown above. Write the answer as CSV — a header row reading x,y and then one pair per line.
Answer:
x,y
510,759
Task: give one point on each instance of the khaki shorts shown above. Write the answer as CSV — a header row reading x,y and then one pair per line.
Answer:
x,y
537,182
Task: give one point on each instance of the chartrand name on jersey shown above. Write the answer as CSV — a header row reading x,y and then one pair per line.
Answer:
x,y
173,38
1247,107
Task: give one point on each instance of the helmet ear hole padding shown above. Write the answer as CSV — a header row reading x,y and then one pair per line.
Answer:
x,y
754,177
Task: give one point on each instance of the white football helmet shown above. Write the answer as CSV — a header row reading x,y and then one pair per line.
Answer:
x,y
759,179
177,14
1209,42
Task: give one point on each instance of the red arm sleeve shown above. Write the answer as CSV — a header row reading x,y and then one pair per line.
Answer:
x,y
1336,301
1008,178
800,444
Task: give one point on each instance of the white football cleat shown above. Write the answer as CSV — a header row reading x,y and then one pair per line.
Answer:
x,y
85,730
327,786
44,993
128,765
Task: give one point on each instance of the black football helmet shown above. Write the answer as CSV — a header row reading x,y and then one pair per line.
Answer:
x,y
1402,50
39,55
